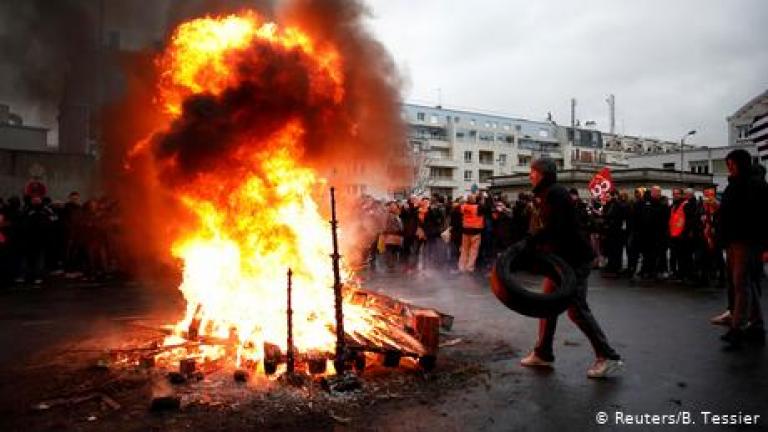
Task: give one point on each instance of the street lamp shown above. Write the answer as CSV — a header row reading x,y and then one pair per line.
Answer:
x,y
682,151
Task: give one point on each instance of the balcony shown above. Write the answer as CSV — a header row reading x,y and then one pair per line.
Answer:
x,y
439,142
447,182
442,162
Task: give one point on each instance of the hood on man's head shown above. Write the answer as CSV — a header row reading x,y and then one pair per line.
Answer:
x,y
547,168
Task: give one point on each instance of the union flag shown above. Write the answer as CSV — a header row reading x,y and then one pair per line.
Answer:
x,y
601,184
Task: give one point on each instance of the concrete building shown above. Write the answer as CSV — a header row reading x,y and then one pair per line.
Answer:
x,y
458,151
740,122
701,160
749,126
635,145
15,135
758,134
24,155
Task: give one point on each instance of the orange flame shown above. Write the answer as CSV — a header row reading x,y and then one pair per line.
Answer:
x,y
256,216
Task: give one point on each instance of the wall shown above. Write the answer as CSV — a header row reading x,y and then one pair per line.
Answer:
x,y
23,137
62,173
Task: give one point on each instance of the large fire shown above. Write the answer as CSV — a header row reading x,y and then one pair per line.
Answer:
x,y
255,213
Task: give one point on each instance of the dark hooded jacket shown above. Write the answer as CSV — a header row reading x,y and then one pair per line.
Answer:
x,y
744,211
561,232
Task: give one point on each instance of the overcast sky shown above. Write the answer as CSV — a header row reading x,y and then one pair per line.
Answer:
x,y
672,65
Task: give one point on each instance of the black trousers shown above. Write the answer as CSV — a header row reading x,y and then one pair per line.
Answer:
x,y
614,249
581,315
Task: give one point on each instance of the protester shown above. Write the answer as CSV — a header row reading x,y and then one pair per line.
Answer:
x,y
743,212
652,233
433,224
37,222
456,228
561,234
614,220
634,239
392,237
472,222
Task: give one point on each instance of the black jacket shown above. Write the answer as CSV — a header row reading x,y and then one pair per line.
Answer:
x,y
561,232
743,212
434,221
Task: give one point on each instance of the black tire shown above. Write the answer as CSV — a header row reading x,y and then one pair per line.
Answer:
x,y
533,304
428,362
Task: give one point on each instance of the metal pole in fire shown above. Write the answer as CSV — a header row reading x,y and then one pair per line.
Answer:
x,y
338,362
289,313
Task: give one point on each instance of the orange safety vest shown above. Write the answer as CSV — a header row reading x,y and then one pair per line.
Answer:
x,y
471,218
677,221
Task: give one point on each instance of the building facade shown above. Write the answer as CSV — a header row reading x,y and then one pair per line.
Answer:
x,y
740,122
701,160
456,152
749,126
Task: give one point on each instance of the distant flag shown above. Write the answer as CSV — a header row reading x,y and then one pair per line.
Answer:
x,y
601,184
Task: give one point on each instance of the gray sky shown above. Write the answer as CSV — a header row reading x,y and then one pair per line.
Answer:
x,y
673,65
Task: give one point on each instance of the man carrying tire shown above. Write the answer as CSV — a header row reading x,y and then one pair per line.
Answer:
x,y
561,235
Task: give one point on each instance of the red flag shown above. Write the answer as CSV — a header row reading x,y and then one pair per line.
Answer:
x,y
601,184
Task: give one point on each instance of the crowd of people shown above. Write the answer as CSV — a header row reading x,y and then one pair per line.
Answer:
x,y
648,236
715,238
41,238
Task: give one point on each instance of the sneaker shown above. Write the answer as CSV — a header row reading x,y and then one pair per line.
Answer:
x,y
724,319
755,334
533,360
604,368
38,282
734,338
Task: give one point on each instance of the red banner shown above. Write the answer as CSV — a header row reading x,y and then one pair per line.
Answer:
x,y
601,184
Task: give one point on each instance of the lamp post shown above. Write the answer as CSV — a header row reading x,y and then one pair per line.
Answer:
x,y
682,152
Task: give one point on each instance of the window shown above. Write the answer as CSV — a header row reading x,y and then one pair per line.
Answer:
x,y
421,116
433,119
485,157
440,173
467,156
486,136
502,159
505,138
523,160
668,166
719,166
440,154
507,126
460,135
487,125
543,133
494,125
467,175
473,134
457,120
518,128
699,167
472,122
485,175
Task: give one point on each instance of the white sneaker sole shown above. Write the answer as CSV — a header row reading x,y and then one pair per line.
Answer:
x,y
538,364
611,370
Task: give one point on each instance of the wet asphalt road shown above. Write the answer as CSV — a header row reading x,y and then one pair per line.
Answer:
x,y
674,359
